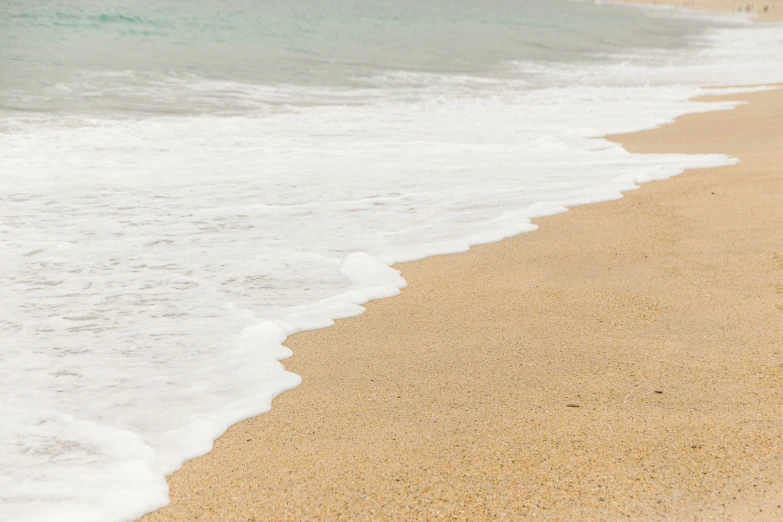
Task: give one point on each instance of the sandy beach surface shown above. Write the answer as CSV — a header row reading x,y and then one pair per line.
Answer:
x,y
765,10
623,362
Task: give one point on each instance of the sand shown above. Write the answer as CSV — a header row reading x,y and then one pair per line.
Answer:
x,y
624,361
765,10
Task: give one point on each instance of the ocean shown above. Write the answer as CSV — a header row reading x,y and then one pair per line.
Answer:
x,y
185,184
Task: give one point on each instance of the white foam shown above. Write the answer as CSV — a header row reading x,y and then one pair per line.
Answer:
x,y
153,268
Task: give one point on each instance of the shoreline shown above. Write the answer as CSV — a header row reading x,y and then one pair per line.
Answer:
x,y
765,10
402,430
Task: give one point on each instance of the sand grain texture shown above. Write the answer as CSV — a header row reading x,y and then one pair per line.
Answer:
x,y
660,315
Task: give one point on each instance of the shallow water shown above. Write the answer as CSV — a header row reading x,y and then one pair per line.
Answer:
x,y
183,185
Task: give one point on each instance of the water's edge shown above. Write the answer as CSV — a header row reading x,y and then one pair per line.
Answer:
x,y
390,279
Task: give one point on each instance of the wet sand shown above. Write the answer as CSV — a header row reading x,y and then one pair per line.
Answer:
x,y
624,361
764,10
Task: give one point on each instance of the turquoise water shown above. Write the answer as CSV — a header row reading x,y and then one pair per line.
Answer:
x,y
44,44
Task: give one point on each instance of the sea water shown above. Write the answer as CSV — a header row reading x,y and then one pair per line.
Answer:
x,y
185,184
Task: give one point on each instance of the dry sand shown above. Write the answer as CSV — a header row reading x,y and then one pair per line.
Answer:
x,y
660,315
765,10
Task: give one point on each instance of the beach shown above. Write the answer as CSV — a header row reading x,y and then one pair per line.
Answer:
x,y
623,361
769,10
187,189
